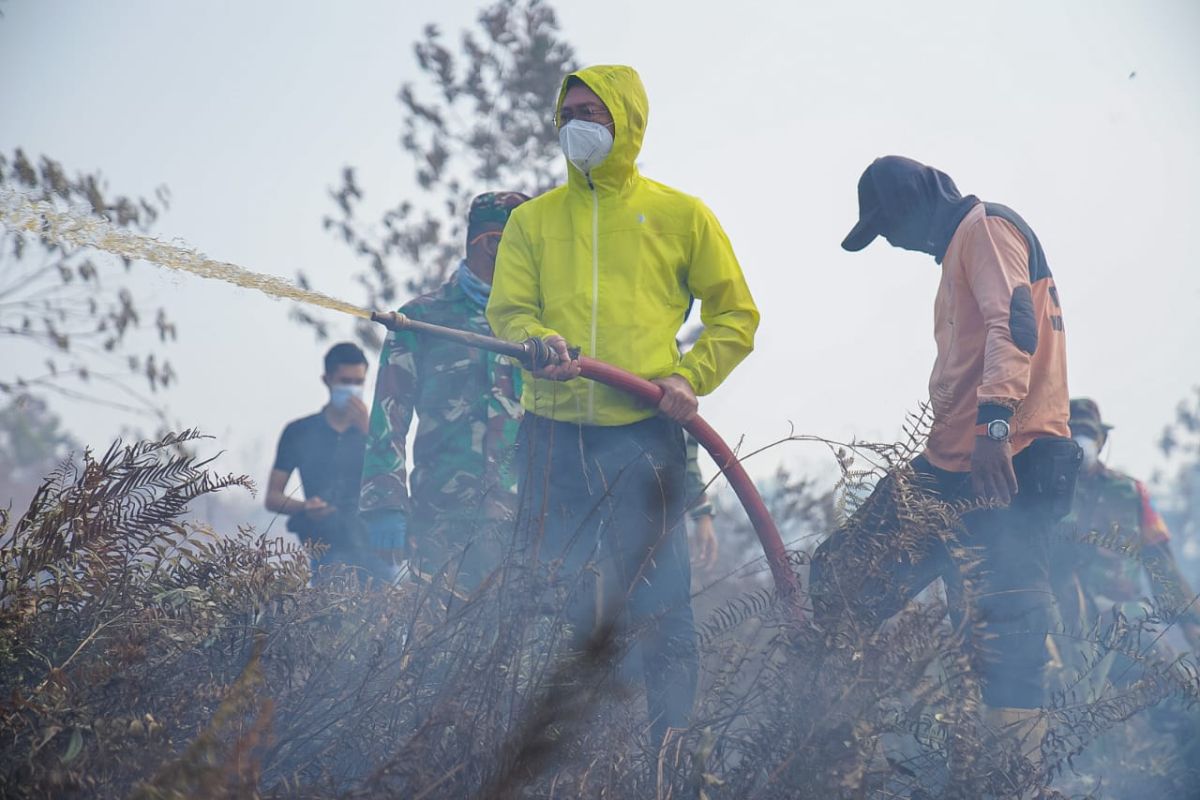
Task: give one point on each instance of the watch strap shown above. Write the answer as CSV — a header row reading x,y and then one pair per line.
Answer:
x,y
988,412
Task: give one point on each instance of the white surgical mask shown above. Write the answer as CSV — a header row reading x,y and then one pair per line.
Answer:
x,y
340,394
585,144
1091,451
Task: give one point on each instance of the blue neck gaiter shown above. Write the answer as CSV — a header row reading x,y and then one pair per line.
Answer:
x,y
473,287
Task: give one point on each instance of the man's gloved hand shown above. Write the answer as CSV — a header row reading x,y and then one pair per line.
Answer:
x,y
360,414
387,532
560,366
316,508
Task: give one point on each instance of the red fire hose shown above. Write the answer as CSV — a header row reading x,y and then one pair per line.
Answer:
x,y
532,352
786,582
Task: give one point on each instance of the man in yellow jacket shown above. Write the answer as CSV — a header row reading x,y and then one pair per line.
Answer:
x,y
610,263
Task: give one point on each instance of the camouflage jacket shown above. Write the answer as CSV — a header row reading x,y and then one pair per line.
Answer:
x,y
468,410
1111,520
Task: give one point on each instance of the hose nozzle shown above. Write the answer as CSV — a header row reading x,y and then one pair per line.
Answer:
x,y
532,353
392,320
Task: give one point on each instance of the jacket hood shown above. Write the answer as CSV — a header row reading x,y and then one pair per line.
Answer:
x,y
620,88
917,207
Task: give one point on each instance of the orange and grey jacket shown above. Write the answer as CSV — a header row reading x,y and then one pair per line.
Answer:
x,y
1001,345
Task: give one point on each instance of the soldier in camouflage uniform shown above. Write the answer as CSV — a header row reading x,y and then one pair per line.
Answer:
x,y
450,520
1112,535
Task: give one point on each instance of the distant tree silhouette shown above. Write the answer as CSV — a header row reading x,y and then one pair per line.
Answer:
x,y
1180,443
32,445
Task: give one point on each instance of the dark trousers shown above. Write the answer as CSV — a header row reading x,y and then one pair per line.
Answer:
x,y
457,554
366,564
997,581
603,507
345,538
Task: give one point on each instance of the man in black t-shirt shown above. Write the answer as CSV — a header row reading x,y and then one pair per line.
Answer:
x,y
327,448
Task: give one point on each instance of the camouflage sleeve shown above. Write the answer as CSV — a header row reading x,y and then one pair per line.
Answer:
x,y
1154,529
1170,586
1171,589
385,463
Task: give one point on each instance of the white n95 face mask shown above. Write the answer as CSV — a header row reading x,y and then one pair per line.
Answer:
x,y
585,144
1091,451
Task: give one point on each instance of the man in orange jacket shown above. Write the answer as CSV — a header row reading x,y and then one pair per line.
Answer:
x,y
999,438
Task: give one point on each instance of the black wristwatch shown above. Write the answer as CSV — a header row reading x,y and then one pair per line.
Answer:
x,y
997,430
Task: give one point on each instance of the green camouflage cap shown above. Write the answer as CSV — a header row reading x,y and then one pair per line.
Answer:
x,y
492,207
1086,420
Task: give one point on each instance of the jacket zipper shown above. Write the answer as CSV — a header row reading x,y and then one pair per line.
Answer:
x,y
591,412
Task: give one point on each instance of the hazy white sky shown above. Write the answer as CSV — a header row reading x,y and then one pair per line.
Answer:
x,y
767,111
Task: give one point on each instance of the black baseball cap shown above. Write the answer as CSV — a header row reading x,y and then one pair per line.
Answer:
x,y
870,214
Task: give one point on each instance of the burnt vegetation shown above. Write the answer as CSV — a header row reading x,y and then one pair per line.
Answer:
x,y
143,656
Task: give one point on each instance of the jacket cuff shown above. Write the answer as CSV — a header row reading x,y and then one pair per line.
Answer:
x,y
688,375
989,412
541,332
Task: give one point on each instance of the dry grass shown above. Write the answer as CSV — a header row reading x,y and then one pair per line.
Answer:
x,y
141,657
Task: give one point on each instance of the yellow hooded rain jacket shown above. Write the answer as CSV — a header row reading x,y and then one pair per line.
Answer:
x,y
611,262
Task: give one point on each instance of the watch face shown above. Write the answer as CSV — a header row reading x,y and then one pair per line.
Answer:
x,y
998,430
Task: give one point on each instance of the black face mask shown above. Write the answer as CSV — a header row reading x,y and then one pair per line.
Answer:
x,y
920,207
909,232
